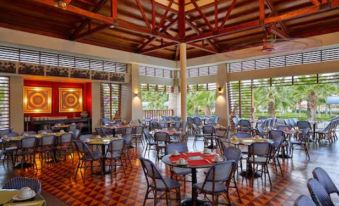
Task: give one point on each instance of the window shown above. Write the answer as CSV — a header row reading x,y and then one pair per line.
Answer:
x,y
110,100
4,103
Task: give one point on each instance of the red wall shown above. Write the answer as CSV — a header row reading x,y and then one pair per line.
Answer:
x,y
86,95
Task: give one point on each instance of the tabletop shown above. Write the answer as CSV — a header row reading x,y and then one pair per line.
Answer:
x,y
6,199
19,138
168,131
101,141
193,159
248,141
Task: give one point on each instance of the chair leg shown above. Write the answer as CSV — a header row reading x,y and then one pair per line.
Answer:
x,y
155,198
269,177
146,196
166,194
236,188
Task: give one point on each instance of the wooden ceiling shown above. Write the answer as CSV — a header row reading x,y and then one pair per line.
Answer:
x,y
156,27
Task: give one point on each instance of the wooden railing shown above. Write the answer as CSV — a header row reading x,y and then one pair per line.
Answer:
x,y
157,114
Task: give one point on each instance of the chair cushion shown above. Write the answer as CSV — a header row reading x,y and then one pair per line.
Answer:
x,y
181,171
208,187
258,160
171,184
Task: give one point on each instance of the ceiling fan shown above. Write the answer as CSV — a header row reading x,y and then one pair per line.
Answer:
x,y
272,43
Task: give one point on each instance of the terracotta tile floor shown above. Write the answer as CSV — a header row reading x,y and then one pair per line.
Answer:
x,y
57,181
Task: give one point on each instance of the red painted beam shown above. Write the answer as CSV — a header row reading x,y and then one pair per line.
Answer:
x,y
141,9
202,14
92,31
158,47
223,31
79,11
114,9
181,20
228,13
164,17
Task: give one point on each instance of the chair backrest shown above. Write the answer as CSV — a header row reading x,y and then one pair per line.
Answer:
x,y
179,147
100,132
82,148
20,182
243,135
244,123
232,153
278,137
107,131
324,179
138,130
318,193
220,172
148,136
116,146
151,172
76,133
303,200
66,138
197,121
189,120
162,137
47,140
128,130
261,149
304,125
28,133
128,139
208,130
28,142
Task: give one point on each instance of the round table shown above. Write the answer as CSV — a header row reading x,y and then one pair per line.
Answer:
x,y
194,199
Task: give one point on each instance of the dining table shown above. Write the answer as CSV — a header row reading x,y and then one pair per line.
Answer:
x,y
114,128
103,142
19,138
6,196
194,161
248,142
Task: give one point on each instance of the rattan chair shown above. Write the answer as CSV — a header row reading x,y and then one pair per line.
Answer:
x,y
19,182
156,183
217,181
303,200
318,193
325,180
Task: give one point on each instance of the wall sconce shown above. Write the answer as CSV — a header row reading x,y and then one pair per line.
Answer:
x,y
136,93
220,90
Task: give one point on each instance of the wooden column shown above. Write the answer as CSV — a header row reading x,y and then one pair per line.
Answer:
x,y
183,81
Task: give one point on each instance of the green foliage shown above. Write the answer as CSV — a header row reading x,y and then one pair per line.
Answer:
x,y
200,102
154,100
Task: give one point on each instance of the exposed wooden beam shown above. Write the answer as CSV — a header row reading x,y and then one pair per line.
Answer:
x,y
114,9
279,32
202,14
261,11
164,17
228,13
200,47
165,45
92,31
79,11
87,22
141,9
270,6
292,14
196,29
315,2
181,20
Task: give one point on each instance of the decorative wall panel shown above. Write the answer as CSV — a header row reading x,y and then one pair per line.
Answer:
x,y
37,100
70,99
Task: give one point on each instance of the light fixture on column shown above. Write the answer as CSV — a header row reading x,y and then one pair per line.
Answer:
x,y
220,90
61,4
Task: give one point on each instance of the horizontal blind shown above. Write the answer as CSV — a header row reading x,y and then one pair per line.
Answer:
x,y
4,103
110,100
61,60
309,57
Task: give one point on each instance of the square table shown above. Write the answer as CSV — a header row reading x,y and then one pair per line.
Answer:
x,y
6,199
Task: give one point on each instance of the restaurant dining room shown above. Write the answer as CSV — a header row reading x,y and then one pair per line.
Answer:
x,y
169,102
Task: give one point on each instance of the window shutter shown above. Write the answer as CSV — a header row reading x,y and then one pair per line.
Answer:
x,y
4,103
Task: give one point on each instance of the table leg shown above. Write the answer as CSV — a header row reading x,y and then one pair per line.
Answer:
x,y
103,159
194,201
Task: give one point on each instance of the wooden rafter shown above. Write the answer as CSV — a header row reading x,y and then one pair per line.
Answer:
x,y
202,14
228,13
142,11
164,17
162,46
261,11
270,6
87,22
315,2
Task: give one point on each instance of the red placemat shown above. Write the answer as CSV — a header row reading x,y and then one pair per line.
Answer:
x,y
175,158
192,154
199,162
